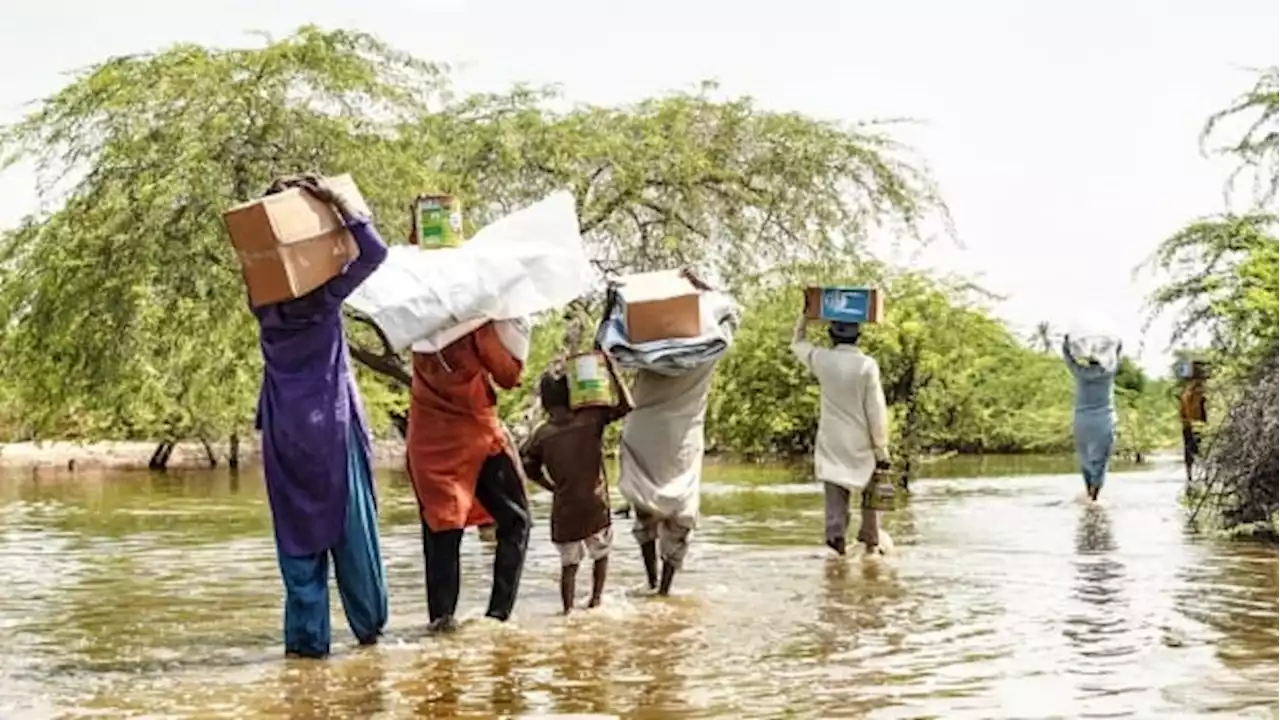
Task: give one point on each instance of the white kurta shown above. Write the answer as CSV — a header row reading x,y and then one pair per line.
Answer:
x,y
662,443
853,428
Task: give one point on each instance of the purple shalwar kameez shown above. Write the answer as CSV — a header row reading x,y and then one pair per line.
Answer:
x,y
316,456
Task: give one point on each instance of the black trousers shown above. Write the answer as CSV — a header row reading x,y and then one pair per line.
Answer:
x,y
1190,445
500,491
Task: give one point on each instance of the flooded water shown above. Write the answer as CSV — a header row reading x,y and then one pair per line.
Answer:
x,y
132,595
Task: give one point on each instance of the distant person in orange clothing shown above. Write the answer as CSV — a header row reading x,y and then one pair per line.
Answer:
x,y
1194,412
464,470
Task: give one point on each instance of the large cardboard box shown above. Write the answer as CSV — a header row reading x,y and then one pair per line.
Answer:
x,y
844,304
661,305
291,243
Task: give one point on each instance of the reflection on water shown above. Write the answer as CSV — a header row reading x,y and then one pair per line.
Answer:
x,y
141,595
1099,622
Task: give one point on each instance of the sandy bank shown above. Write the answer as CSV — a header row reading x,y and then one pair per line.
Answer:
x,y
387,454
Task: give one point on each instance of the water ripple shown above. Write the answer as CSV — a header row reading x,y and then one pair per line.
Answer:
x,y
127,596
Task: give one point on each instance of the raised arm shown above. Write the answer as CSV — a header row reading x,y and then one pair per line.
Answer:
x,y
800,347
501,362
373,251
877,414
1068,356
625,402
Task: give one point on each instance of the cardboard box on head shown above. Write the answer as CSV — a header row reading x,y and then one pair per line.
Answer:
x,y
291,243
1192,370
661,305
844,304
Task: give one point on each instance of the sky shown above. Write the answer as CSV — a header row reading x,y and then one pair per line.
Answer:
x,y
1063,134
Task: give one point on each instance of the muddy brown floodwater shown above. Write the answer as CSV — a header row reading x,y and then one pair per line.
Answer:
x,y
131,595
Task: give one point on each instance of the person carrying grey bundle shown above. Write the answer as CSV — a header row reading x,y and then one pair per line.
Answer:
x,y
1093,364
853,429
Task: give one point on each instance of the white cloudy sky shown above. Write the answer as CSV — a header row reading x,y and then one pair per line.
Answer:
x,y
1063,133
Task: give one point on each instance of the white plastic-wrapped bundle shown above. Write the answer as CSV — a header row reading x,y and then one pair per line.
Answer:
x,y
1102,349
527,262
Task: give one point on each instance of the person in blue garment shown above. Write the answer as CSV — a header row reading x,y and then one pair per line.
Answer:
x,y
1094,370
316,451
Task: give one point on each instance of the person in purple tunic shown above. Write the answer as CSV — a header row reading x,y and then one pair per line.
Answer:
x,y
316,452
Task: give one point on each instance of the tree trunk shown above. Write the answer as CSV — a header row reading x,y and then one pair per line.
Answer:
x,y
160,458
400,421
388,364
910,425
208,452
910,431
233,451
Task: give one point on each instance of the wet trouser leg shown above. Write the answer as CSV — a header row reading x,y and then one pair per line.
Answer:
x,y
670,536
501,493
1190,447
837,511
357,565
357,560
444,573
306,603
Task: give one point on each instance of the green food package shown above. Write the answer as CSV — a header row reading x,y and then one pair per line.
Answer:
x,y
439,221
589,381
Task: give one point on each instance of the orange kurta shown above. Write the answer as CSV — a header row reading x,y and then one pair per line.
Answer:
x,y
454,426
1191,404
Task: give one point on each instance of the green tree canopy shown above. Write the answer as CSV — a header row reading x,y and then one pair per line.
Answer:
x,y
122,312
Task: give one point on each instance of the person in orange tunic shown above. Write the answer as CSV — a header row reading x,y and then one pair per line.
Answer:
x,y
1194,412
463,467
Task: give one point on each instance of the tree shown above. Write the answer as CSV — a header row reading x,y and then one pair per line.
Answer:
x,y
122,312
1043,338
1256,149
1224,285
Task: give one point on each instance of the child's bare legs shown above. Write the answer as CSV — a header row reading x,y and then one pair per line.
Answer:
x,y
599,572
568,585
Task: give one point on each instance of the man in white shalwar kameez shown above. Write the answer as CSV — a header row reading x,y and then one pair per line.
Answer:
x,y
853,428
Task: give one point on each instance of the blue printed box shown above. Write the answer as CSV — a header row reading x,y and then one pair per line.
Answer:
x,y
1191,369
844,304
1184,369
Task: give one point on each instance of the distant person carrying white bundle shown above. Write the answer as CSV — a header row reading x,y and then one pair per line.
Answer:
x,y
662,442
853,429
1093,362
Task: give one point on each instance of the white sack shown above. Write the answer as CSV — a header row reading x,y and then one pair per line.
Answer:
x,y
1104,349
529,261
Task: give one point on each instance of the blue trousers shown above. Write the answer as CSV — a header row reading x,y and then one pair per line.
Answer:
x,y
357,565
